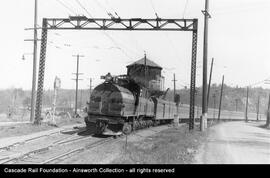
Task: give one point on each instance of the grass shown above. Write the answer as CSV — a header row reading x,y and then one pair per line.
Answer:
x,y
172,146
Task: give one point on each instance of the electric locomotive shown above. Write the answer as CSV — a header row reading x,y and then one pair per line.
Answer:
x,y
130,102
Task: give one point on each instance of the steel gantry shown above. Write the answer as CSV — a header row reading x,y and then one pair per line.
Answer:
x,y
133,24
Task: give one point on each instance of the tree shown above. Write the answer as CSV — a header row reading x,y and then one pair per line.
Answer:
x,y
26,102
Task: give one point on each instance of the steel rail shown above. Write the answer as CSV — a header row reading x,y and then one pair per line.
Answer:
x,y
58,142
34,138
92,145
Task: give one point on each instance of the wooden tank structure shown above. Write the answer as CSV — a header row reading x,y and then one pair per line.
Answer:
x,y
146,73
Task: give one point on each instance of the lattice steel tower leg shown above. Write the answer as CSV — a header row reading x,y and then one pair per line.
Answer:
x,y
41,72
193,76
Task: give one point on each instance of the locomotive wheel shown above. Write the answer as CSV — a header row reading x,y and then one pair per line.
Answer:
x,y
127,128
136,125
100,127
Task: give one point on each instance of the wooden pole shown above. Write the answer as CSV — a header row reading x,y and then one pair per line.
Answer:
x,y
268,113
246,116
209,84
220,101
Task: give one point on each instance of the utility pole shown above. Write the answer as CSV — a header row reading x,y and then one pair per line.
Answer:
x,y
77,79
246,117
236,103
90,89
81,99
145,70
268,114
174,88
209,84
214,96
33,94
258,107
205,50
220,100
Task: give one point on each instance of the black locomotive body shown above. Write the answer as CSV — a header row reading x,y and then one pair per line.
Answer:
x,y
122,104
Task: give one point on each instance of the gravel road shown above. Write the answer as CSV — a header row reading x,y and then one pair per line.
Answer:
x,y
236,143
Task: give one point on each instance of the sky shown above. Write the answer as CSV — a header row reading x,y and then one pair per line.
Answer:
x,y
239,41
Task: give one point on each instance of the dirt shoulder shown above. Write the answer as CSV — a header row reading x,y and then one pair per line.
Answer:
x,y
29,128
156,145
231,142
171,146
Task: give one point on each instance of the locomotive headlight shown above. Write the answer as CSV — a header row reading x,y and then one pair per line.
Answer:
x,y
108,77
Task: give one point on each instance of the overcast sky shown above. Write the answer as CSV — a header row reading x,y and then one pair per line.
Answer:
x,y
239,40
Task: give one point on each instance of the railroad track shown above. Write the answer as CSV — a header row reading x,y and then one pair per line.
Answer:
x,y
80,149
67,153
62,155
9,147
67,140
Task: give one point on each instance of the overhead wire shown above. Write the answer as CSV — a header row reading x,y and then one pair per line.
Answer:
x,y
153,7
81,5
101,6
107,34
185,9
111,15
90,15
172,45
115,43
139,48
166,35
107,2
112,8
66,6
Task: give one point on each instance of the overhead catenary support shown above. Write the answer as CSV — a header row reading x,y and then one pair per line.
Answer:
x,y
84,23
220,100
196,94
193,79
133,24
41,73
